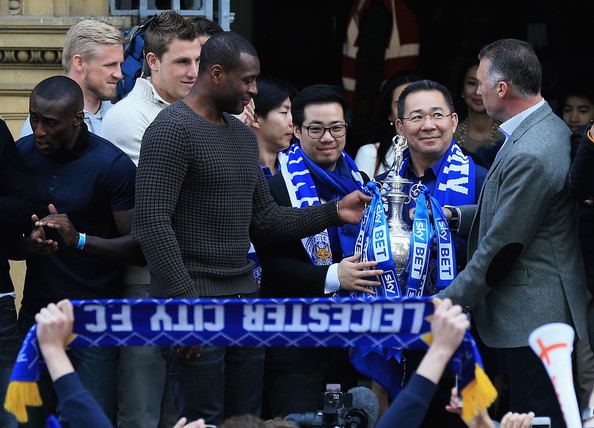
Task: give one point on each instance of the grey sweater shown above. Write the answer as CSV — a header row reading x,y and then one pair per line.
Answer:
x,y
200,196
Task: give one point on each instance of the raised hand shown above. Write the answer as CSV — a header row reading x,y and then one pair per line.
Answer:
x,y
482,420
448,327
54,325
248,114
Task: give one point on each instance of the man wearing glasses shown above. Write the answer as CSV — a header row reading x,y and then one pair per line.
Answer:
x,y
428,121
313,171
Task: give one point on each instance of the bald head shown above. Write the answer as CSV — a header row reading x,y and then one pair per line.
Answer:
x,y
61,90
56,115
225,49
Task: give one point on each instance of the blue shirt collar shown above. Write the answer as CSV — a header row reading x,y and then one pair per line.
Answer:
x,y
94,121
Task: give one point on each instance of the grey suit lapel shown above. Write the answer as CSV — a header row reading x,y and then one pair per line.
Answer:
x,y
532,120
503,152
524,126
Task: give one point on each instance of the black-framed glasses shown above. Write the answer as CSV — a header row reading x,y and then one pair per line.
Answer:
x,y
418,118
317,131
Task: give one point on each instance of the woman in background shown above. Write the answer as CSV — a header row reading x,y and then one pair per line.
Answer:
x,y
378,156
577,108
478,134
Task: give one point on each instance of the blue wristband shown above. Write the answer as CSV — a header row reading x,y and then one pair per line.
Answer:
x,y
82,240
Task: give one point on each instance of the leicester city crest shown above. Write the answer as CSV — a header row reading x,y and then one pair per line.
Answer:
x,y
318,248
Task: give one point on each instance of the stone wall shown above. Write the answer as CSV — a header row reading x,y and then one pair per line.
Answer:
x,y
31,38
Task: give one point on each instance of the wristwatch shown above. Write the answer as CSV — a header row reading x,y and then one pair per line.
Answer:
x,y
588,413
454,222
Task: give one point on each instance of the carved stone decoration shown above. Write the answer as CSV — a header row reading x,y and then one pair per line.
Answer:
x,y
14,7
52,56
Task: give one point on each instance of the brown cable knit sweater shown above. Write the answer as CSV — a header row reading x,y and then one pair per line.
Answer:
x,y
200,196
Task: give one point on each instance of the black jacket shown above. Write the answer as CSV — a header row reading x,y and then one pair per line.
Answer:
x,y
286,268
581,187
17,202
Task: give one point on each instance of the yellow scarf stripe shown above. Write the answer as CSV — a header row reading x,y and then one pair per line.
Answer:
x,y
427,338
19,395
478,395
70,339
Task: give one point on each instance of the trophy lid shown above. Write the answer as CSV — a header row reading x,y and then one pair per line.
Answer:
x,y
393,180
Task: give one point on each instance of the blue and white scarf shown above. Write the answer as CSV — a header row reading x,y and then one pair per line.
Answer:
x,y
455,185
298,171
320,322
455,182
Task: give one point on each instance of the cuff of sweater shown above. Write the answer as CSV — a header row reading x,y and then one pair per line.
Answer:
x,y
324,215
424,386
335,211
67,385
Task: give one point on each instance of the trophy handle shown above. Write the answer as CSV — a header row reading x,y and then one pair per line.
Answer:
x,y
415,191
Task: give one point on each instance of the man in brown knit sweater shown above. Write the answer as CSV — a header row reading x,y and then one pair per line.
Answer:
x,y
200,198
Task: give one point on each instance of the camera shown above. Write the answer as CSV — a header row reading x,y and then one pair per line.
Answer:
x,y
358,408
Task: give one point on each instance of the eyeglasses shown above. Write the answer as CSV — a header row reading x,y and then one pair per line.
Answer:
x,y
317,131
436,117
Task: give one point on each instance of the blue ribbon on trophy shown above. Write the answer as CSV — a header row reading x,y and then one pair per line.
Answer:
x,y
423,232
446,255
373,243
392,237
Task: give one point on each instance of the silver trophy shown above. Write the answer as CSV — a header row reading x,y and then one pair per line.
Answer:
x,y
397,197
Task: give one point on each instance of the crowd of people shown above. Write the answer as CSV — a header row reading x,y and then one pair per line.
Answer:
x,y
208,180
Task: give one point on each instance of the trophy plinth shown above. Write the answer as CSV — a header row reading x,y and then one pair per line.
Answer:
x,y
398,197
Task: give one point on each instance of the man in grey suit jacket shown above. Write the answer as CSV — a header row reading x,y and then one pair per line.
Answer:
x,y
524,266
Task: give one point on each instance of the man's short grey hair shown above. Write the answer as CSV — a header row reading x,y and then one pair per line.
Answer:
x,y
85,38
515,62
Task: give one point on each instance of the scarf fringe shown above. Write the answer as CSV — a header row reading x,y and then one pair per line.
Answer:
x,y
478,395
19,395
